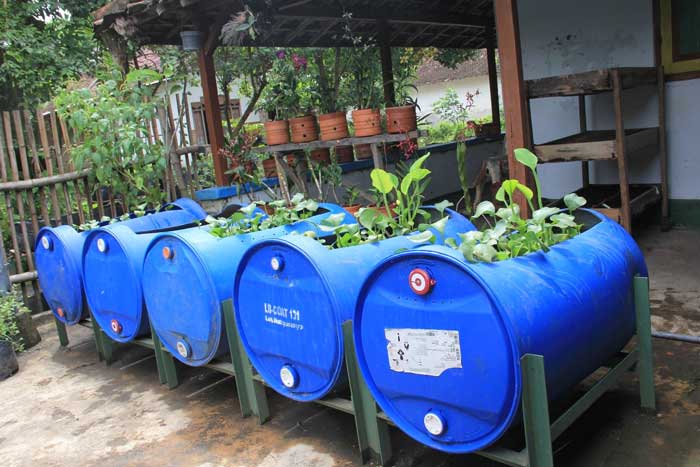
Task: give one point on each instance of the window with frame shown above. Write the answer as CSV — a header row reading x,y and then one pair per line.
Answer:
x,y
680,36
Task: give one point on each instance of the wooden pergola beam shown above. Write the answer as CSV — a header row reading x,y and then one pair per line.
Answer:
x,y
514,91
387,65
493,84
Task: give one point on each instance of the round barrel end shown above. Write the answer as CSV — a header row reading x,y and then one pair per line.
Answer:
x,y
182,300
57,253
436,352
113,286
288,320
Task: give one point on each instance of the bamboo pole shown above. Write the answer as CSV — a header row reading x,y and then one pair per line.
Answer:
x,y
42,194
43,136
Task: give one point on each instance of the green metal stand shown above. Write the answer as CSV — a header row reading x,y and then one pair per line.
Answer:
x,y
372,431
539,434
62,333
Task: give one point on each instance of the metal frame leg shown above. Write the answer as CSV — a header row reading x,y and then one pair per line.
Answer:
x,y
538,436
645,367
372,432
62,333
251,393
105,346
167,368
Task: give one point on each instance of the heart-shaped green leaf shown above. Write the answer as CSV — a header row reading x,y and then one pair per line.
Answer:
x,y
526,157
383,181
574,201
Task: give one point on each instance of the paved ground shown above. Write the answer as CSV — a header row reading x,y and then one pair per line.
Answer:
x,y
64,408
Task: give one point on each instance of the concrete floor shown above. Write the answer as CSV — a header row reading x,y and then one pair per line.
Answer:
x,y
66,408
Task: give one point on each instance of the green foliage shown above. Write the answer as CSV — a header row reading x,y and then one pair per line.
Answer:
x,y
392,220
111,124
454,109
246,220
10,306
463,175
509,235
44,43
287,95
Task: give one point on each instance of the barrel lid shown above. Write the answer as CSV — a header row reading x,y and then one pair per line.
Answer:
x,y
182,300
443,365
112,286
288,321
57,254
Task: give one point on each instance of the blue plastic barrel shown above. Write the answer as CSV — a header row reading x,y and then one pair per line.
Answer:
x,y
112,263
291,297
444,363
185,288
58,256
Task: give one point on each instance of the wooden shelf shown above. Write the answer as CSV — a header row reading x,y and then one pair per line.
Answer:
x,y
606,199
378,139
598,145
590,82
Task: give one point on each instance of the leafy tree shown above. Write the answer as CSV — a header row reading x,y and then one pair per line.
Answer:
x,y
44,44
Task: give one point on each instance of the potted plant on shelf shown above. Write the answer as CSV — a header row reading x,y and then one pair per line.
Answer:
x,y
328,68
281,101
402,117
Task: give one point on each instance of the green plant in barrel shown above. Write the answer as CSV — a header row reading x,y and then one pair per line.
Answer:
x,y
400,211
246,220
509,235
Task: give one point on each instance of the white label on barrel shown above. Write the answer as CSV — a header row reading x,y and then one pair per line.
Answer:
x,y
423,351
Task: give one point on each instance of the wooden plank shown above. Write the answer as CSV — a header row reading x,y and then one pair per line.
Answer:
x,y
8,207
214,126
59,164
18,196
26,174
640,202
663,154
69,160
597,145
43,137
21,185
383,138
42,195
620,148
583,128
493,86
518,133
589,82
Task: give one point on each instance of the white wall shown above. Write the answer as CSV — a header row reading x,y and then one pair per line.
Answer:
x,y
569,36
428,94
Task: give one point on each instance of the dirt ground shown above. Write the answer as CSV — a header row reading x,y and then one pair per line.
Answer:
x,y
66,408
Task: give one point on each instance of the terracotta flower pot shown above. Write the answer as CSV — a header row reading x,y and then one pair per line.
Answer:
x,y
333,126
363,151
303,129
277,132
401,119
321,155
368,122
352,208
270,169
344,154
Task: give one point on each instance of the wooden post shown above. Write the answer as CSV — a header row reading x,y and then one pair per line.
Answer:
x,y
493,85
620,149
387,65
583,127
514,92
211,101
4,275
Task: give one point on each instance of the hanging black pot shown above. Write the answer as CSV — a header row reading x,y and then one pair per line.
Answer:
x,y
8,360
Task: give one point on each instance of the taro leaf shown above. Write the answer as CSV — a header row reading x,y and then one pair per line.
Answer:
x,y
442,205
451,242
542,214
297,198
507,213
484,207
440,225
368,217
467,249
418,164
334,220
525,191
422,237
526,157
383,181
563,220
485,252
507,187
472,236
574,201
248,210
535,228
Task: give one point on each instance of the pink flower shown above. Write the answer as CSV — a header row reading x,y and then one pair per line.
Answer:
x,y
299,62
281,54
